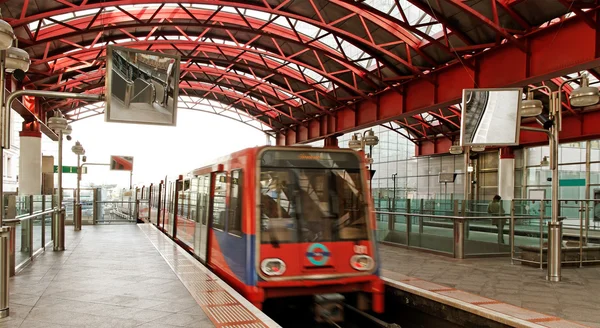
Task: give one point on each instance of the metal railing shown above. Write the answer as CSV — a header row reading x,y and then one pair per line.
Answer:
x,y
449,228
576,240
116,212
460,229
32,238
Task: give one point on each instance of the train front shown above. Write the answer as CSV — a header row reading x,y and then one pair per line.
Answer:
x,y
316,228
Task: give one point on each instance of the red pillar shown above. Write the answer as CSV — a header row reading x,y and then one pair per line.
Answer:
x,y
30,129
506,152
331,142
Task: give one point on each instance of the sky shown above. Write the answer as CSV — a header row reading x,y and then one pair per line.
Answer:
x,y
197,139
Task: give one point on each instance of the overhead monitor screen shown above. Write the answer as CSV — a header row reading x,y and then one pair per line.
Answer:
x,y
490,117
141,86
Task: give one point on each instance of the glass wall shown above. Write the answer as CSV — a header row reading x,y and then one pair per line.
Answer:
x,y
395,163
399,174
574,162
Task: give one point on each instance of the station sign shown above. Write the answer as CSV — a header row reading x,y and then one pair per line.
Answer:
x,y
571,182
69,169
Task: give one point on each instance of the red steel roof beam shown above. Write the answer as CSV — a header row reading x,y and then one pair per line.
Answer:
x,y
502,31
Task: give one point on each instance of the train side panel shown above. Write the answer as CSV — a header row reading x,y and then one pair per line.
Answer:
x,y
231,252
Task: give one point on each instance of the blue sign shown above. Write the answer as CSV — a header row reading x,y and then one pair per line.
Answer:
x,y
318,254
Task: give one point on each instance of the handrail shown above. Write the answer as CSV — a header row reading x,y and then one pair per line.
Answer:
x,y
32,216
507,216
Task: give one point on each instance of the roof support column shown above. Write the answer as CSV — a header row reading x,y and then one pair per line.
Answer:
x,y
30,159
331,142
506,177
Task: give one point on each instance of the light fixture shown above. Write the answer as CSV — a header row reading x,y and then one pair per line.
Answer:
x,y
531,107
354,143
370,138
456,148
17,59
68,130
78,149
545,161
7,35
477,148
57,123
584,95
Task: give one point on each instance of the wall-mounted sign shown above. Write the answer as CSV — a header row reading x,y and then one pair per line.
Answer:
x,y
121,163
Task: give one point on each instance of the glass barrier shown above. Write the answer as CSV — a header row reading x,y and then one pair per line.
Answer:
x,y
432,233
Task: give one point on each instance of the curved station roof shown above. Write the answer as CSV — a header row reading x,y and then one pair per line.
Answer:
x,y
293,67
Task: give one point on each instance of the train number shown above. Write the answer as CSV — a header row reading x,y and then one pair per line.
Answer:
x,y
360,249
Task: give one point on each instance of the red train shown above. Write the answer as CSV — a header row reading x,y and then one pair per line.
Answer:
x,y
278,222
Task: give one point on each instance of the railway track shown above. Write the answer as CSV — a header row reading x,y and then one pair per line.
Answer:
x,y
301,314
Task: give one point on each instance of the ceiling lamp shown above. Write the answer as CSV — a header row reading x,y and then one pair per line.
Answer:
x,y
78,149
370,138
531,107
7,35
57,123
68,130
17,59
354,143
584,95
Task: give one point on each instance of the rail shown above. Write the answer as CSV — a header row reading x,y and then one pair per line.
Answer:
x,y
33,237
118,211
467,233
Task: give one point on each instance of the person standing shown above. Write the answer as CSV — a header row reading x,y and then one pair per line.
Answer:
x,y
495,209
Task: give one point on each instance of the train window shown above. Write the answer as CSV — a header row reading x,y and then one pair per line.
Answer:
x,y
204,193
219,212
235,203
308,200
277,207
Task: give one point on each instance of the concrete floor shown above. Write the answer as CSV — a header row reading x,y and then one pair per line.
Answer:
x,y
576,298
109,276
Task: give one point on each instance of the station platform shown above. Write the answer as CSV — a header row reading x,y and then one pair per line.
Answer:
x,y
516,294
124,276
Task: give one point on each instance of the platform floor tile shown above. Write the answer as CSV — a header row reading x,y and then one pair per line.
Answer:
x,y
223,305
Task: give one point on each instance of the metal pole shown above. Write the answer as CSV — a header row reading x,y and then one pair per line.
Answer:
x,y
4,271
4,231
512,231
59,217
3,131
77,209
554,228
459,238
371,169
130,179
588,154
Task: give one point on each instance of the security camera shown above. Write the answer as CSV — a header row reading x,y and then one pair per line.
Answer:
x,y
84,158
19,75
69,138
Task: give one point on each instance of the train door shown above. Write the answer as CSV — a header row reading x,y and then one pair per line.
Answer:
x,y
162,204
201,235
217,215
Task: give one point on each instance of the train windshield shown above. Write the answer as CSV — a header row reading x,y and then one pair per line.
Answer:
x,y
311,197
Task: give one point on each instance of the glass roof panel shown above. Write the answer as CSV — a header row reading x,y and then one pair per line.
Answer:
x,y
414,16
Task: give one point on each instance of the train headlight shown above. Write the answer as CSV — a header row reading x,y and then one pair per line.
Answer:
x,y
272,267
362,262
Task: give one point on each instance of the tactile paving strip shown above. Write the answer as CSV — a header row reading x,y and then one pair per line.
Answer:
x,y
532,318
221,304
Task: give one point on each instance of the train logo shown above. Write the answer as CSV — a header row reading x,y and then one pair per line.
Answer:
x,y
318,254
